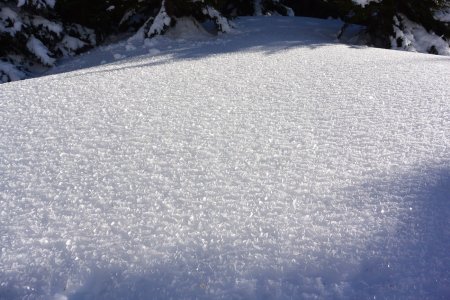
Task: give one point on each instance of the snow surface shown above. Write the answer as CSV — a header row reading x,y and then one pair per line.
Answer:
x,y
257,165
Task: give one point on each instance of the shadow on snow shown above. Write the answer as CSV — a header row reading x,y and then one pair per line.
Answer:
x,y
409,260
256,36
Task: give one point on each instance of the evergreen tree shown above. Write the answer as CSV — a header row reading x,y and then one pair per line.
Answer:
x,y
32,37
314,8
34,33
152,17
402,24
109,16
255,7
171,10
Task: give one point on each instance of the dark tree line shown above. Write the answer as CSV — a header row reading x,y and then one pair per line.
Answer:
x,y
34,33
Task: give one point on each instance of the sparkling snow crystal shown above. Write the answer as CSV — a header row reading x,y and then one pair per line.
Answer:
x,y
267,164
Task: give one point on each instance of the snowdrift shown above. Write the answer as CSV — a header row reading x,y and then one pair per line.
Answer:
x,y
257,165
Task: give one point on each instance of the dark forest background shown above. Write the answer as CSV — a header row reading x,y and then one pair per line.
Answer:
x,y
35,33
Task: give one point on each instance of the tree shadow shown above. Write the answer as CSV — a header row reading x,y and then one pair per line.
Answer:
x,y
283,35
412,259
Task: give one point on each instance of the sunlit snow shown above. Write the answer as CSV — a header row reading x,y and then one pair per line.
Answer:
x,y
268,163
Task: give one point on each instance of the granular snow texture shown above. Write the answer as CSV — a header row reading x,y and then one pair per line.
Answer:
x,y
292,170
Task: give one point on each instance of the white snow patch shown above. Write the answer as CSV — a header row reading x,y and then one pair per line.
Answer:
x,y
154,51
8,16
187,28
150,42
257,8
37,3
289,11
118,56
60,297
51,26
127,16
9,72
416,38
130,47
220,20
443,15
161,21
365,2
72,43
40,50
50,3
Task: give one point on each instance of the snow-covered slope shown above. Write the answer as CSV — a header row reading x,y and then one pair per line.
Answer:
x,y
257,165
